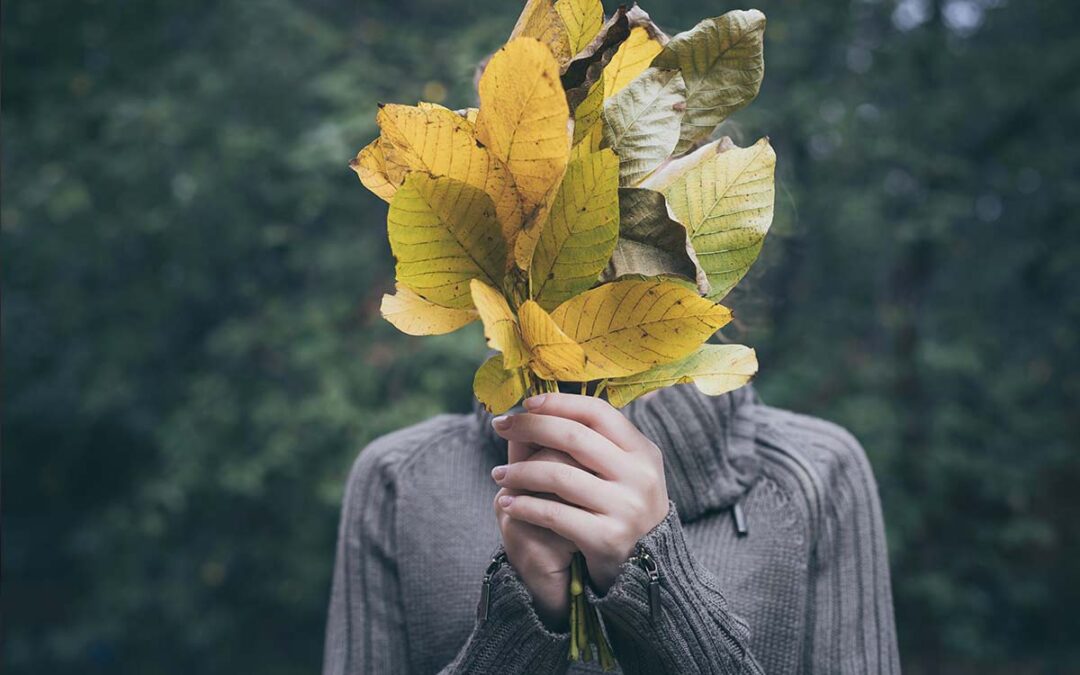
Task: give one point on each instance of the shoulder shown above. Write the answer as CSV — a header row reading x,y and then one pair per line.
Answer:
x,y
379,465
822,460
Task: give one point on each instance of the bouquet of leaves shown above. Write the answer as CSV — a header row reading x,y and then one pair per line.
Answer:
x,y
582,212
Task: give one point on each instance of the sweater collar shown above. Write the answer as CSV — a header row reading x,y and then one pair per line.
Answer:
x,y
707,442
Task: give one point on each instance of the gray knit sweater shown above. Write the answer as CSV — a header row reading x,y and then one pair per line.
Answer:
x,y
772,558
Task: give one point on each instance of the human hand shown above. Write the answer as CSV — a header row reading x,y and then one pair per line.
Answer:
x,y
614,496
540,557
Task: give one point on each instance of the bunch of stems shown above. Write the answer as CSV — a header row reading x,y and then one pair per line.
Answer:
x,y
586,630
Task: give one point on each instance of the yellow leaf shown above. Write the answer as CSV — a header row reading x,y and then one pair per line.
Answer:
x,y
582,19
629,326
523,122
414,315
587,117
497,388
632,58
370,166
443,233
581,229
500,326
440,142
715,369
554,356
541,21
725,199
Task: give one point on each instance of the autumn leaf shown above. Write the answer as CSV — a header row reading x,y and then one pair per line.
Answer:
x,y
541,21
553,354
370,166
641,122
500,325
414,315
582,20
635,54
443,233
629,326
722,63
651,242
587,124
523,122
579,235
588,65
440,142
725,200
714,369
497,387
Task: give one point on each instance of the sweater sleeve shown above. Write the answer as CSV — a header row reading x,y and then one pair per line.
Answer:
x,y
366,627
690,630
851,628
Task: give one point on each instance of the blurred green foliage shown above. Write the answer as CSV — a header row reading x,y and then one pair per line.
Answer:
x,y
193,353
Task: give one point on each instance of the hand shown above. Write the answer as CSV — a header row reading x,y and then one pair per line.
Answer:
x,y
606,504
540,557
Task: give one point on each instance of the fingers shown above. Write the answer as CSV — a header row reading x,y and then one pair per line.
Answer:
x,y
593,413
567,521
589,448
569,483
517,451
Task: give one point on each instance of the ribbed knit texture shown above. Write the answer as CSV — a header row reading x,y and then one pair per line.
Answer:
x,y
805,590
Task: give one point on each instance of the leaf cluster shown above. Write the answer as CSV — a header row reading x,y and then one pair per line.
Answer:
x,y
580,212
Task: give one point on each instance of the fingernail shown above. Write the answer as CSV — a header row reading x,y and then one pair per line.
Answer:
x,y
534,402
502,422
505,500
498,473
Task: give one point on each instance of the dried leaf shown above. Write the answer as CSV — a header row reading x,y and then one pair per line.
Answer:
x,y
500,326
722,62
443,233
714,369
629,326
414,315
651,242
641,122
496,387
588,66
726,202
582,226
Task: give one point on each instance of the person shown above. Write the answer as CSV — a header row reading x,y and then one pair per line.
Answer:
x,y
720,535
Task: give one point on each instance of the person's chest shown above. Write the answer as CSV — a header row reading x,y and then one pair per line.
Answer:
x,y
446,534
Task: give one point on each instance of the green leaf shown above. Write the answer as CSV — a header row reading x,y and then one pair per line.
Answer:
x,y
715,369
582,226
497,388
641,122
722,62
725,199
444,233
651,242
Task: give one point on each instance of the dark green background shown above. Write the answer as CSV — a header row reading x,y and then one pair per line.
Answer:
x,y
193,352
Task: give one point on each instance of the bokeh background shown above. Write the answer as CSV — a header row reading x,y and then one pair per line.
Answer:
x,y
193,351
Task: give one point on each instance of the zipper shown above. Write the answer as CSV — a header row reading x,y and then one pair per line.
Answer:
x,y
645,561
485,590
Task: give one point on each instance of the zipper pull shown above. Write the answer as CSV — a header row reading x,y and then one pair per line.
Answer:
x,y
740,519
485,590
649,565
